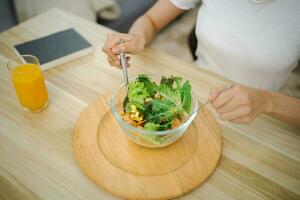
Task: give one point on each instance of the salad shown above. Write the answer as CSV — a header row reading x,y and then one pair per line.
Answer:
x,y
157,106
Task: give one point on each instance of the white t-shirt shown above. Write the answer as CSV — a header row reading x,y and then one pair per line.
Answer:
x,y
256,44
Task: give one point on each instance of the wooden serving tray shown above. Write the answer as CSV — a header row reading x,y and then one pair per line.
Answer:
x,y
130,171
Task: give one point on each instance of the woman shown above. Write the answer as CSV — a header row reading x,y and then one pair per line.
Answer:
x,y
252,42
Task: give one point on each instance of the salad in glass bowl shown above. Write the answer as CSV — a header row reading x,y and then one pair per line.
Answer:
x,y
156,110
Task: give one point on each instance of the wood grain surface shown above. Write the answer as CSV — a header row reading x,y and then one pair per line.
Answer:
x,y
260,160
130,171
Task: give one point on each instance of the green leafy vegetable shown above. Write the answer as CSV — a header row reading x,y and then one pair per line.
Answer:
x,y
154,139
137,94
186,96
165,110
171,94
170,81
159,104
151,126
150,86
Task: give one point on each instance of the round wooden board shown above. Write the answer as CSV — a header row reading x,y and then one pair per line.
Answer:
x,y
133,172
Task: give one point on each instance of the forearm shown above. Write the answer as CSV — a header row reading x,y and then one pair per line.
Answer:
x,y
155,19
284,107
143,28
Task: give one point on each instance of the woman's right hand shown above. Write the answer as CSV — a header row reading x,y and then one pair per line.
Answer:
x,y
117,43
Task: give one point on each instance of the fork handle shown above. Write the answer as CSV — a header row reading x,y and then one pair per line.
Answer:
x,y
124,68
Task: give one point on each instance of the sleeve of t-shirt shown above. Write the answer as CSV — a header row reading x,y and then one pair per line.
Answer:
x,y
184,4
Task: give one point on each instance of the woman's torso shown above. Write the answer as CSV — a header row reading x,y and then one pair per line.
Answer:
x,y
254,44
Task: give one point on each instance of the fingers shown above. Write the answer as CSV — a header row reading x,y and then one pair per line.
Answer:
x,y
235,114
113,47
213,94
107,48
127,61
242,120
229,106
113,40
123,48
117,38
223,98
112,63
236,104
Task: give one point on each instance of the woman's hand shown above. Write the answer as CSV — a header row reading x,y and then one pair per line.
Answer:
x,y
240,104
117,43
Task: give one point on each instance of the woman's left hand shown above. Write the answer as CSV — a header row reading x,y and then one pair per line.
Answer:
x,y
240,104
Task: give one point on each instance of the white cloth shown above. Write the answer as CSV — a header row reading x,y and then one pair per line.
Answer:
x,y
88,9
256,44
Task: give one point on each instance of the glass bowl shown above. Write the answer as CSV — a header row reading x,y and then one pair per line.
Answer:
x,y
145,138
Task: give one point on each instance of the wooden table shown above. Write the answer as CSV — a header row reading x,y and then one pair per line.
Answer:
x,y
260,160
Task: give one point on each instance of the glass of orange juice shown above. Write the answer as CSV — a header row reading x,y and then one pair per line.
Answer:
x,y
28,80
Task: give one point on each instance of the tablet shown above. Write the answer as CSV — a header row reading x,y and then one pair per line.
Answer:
x,y
57,48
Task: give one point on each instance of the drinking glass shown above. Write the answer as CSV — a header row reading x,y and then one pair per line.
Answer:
x,y
28,81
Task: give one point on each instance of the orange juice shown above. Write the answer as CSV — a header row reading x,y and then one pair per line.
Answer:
x,y
30,86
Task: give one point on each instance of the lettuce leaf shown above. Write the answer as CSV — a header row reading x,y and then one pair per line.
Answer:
x,y
151,126
172,95
165,110
170,81
149,85
186,97
137,93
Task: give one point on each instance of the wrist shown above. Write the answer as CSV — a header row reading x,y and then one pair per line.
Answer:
x,y
142,38
268,99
